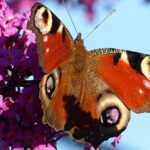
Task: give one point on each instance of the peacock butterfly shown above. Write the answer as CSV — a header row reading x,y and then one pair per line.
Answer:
x,y
87,94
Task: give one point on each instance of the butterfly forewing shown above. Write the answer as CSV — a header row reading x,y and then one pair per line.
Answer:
x,y
53,39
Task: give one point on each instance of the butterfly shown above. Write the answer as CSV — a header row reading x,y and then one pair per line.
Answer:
x,y
87,94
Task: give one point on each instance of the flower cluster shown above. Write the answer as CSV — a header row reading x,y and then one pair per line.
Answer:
x,y
20,108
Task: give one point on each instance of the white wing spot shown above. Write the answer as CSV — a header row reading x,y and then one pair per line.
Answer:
x,y
140,91
47,50
45,39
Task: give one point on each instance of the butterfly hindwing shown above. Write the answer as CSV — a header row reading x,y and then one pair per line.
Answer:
x,y
53,39
127,74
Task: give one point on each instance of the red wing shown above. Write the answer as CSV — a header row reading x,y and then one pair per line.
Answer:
x,y
53,39
127,74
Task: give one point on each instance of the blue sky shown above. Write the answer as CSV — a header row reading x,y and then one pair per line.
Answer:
x,y
128,28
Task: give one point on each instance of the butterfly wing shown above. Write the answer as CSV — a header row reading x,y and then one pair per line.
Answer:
x,y
53,39
127,74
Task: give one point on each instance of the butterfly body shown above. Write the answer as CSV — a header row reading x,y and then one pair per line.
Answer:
x,y
87,94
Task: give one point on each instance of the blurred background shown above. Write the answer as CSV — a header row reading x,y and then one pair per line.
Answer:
x,y
128,28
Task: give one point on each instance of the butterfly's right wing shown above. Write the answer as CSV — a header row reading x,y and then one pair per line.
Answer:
x,y
53,39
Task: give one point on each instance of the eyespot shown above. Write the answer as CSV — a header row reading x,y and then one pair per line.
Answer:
x,y
112,112
51,83
50,86
145,67
78,38
43,20
110,116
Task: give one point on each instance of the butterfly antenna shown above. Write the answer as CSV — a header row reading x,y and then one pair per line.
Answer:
x,y
112,12
70,16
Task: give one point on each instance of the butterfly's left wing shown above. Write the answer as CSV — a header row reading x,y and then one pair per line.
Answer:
x,y
127,74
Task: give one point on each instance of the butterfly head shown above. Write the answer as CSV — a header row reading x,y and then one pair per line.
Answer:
x,y
79,40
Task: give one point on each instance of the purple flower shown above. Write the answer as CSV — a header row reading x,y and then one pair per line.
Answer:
x,y
10,21
21,148
5,103
1,77
31,38
21,124
44,147
116,141
10,31
3,106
